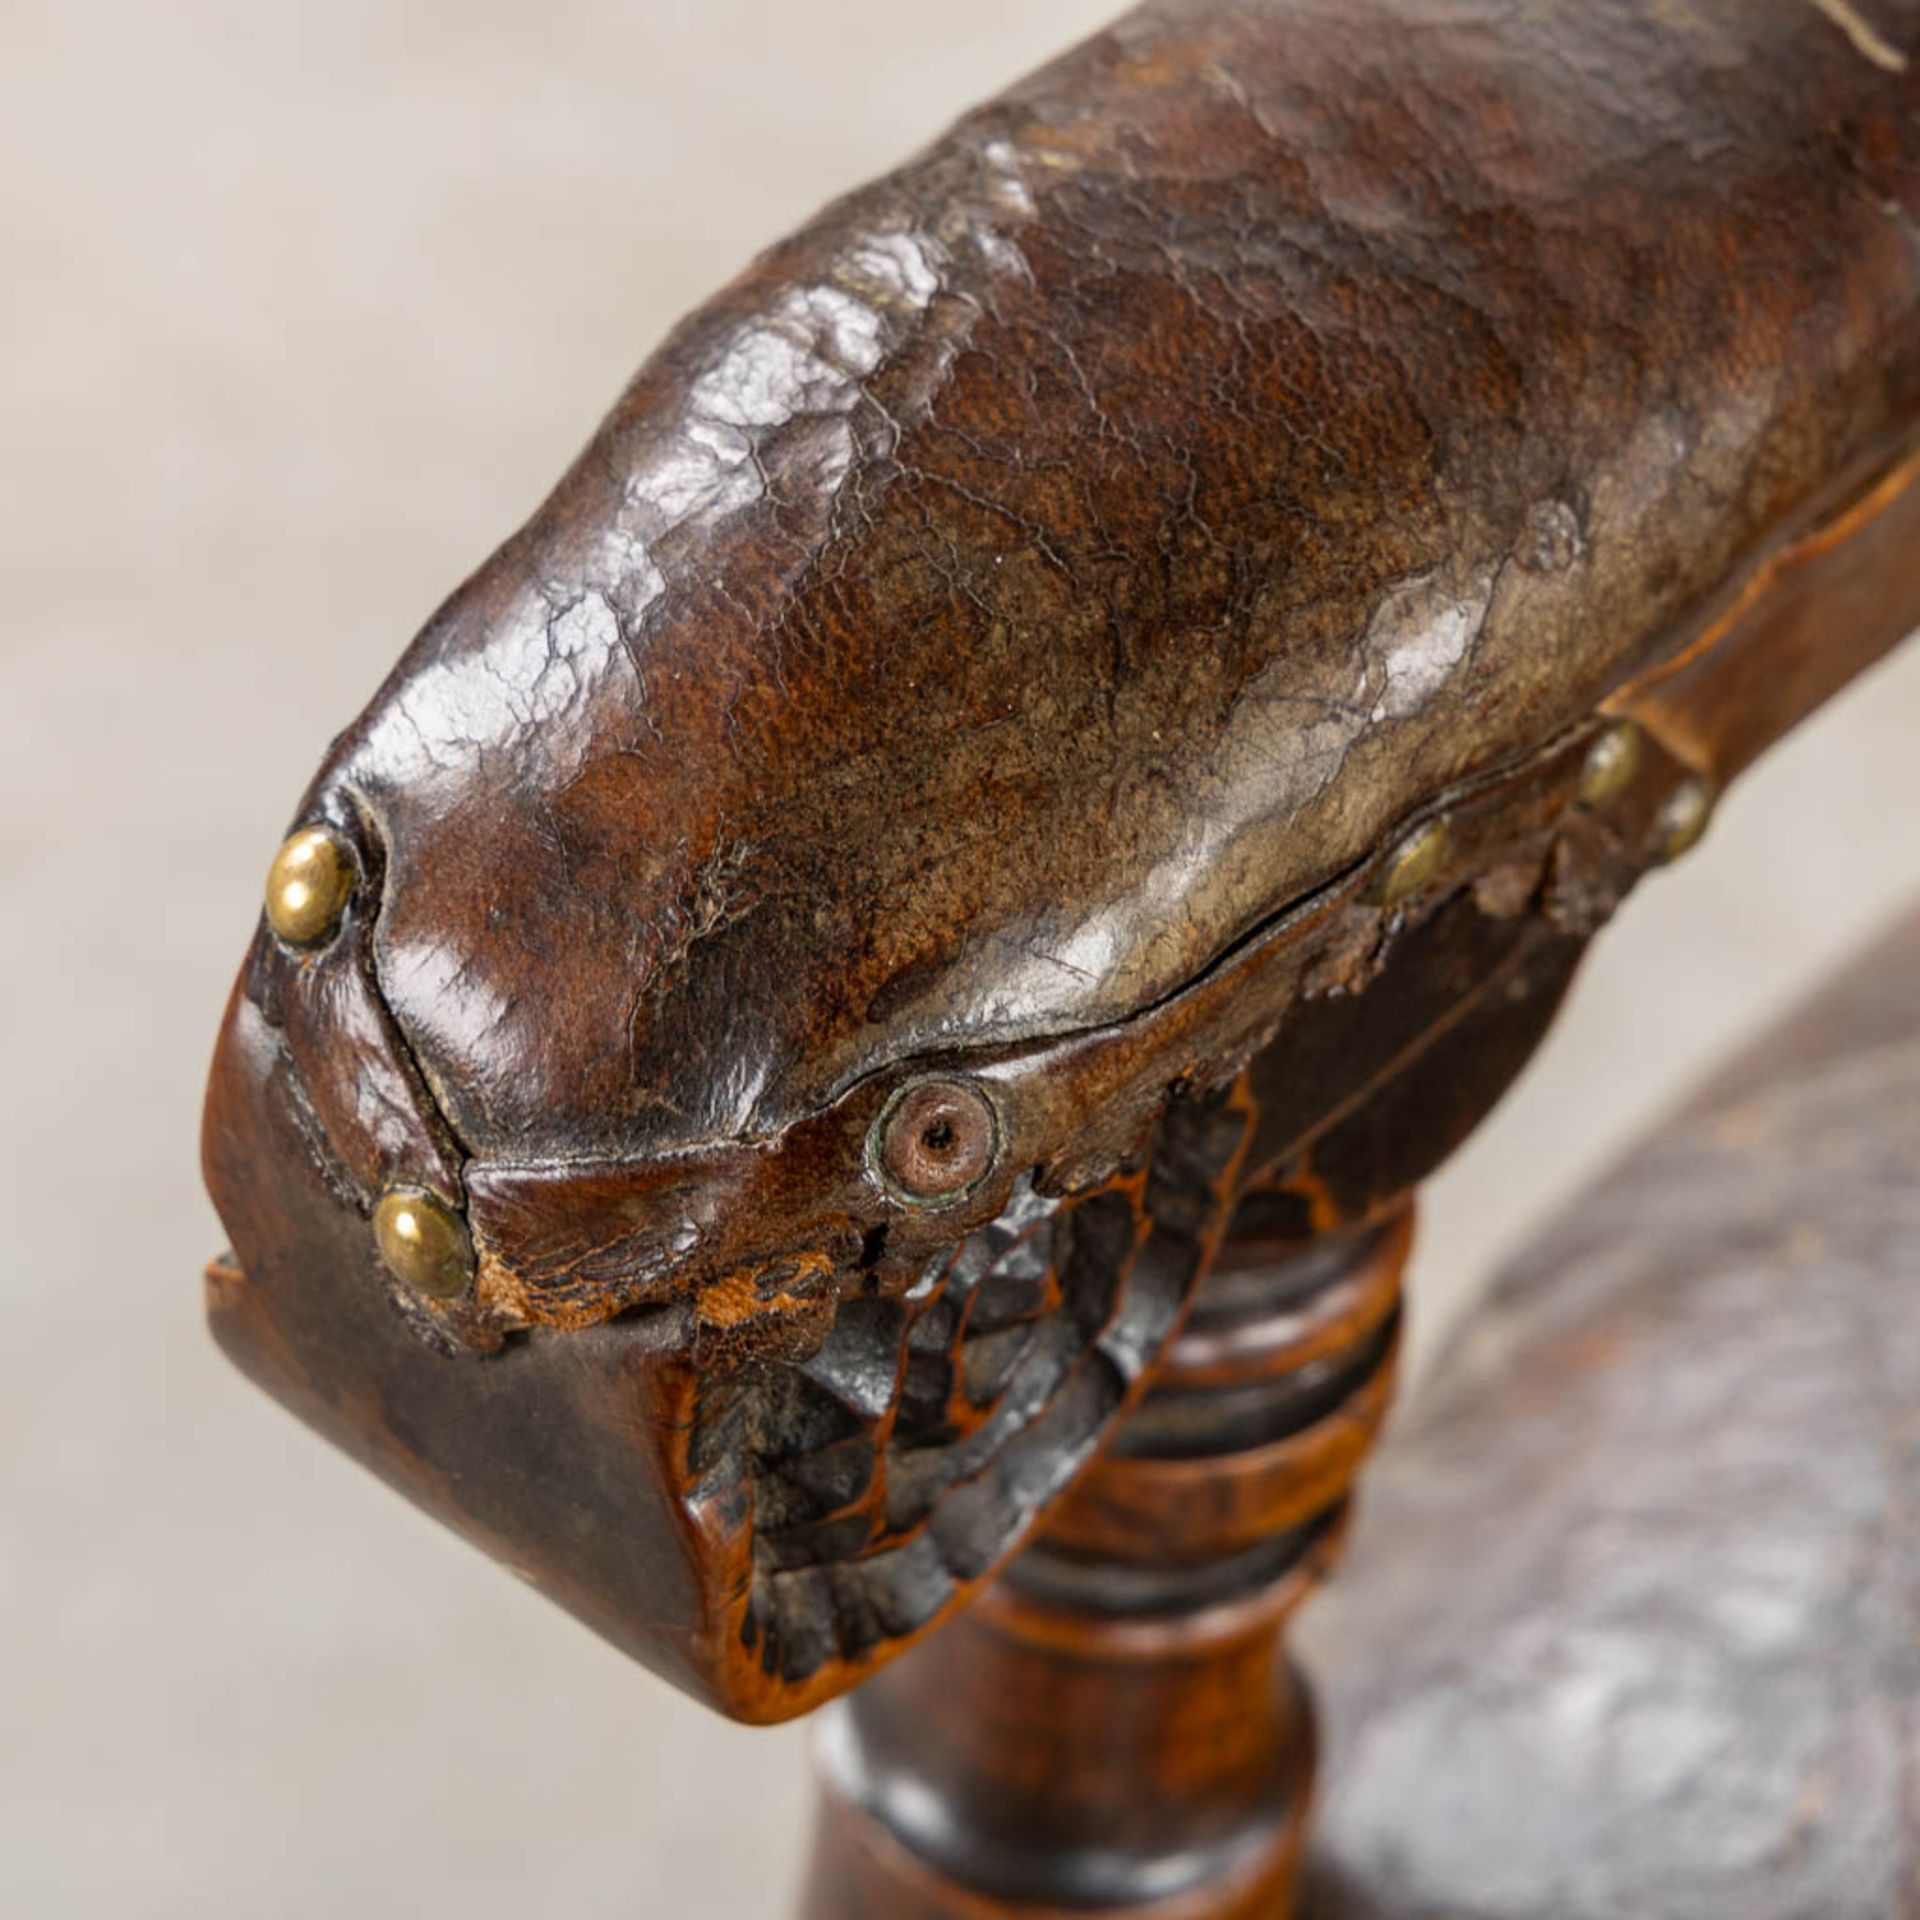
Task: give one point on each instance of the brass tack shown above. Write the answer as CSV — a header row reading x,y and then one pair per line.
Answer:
x,y
1682,818
308,886
1412,864
1612,761
422,1242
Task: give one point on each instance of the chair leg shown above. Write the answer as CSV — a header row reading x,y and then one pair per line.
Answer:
x,y
1114,1728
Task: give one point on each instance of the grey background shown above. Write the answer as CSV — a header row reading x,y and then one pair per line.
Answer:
x,y
302,307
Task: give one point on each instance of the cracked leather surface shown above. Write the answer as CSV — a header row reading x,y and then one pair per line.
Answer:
x,y
1074,546
1009,631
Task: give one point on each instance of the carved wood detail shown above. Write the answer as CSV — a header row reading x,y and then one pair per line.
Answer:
x,y
1113,1727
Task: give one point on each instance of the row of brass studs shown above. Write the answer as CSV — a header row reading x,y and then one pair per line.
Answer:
x,y
936,1140
421,1240
1611,764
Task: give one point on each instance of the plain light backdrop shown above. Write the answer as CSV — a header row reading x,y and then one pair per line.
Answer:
x,y
302,308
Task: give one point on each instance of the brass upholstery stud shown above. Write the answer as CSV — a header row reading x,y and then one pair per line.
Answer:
x,y
1411,865
1682,818
1612,761
423,1243
308,886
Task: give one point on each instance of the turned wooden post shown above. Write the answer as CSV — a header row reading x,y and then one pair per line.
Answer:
x,y
1114,1727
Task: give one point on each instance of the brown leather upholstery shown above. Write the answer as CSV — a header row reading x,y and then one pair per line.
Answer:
x,y
1128,600
1632,1621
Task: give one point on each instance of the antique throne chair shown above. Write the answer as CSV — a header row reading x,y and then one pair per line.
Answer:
x,y
835,1068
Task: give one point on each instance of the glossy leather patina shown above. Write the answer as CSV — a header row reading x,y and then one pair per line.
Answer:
x,y
1008,633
